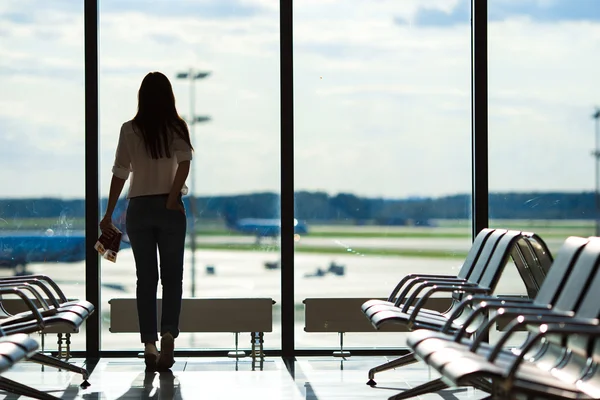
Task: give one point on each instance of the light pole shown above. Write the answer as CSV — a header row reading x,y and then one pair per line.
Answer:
x,y
596,154
192,119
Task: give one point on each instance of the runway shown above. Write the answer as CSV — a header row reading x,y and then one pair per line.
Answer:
x,y
445,244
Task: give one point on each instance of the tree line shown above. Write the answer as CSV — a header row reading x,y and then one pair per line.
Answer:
x,y
320,207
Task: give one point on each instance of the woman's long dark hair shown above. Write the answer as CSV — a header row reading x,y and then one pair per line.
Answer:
x,y
157,117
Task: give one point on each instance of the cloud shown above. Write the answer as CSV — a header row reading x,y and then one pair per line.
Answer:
x,y
38,160
447,15
381,109
18,17
26,11
545,10
459,12
205,9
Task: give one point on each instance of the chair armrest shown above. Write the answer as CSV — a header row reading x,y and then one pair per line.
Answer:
x,y
447,289
409,277
35,282
490,302
31,289
421,281
467,287
28,302
61,296
574,326
517,313
537,320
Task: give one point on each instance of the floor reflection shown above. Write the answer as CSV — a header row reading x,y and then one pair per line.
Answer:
x,y
155,386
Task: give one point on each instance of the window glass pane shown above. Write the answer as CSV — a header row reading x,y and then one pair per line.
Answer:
x,y
235,172
42,184
543,84
383,167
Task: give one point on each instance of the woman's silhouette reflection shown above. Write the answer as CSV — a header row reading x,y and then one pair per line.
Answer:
x,y
146,386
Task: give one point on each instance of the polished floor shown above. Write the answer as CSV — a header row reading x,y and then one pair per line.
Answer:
x,y
310,378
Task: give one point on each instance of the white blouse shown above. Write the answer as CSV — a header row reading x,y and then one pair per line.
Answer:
x,y
148,176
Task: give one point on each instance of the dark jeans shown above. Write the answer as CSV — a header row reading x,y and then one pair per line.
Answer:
x,y
150,225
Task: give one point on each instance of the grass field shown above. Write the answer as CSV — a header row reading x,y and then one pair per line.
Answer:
x,y
441,228
338,250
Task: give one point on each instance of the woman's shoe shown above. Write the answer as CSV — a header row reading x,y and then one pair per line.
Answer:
x,y
166,358
151,357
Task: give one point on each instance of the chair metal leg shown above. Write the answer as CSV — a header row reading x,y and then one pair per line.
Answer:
x,y
24,390
399,362
57,363
483,384
429,387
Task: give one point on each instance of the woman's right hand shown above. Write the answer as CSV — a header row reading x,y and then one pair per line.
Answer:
x,y
175,205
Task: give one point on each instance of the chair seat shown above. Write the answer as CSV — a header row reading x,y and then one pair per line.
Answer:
x,y
5,363
460,366
64,318
23,340
372,303
81,311
420,321
463,370
80,303
12,351
387,306
436,347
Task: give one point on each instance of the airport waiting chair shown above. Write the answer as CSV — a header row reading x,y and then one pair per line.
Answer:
x,y
532,260
549,296
398,295
33,323
15,346
406,302
567,363
486,271
54,293
406,312
13,349
568,296
69,314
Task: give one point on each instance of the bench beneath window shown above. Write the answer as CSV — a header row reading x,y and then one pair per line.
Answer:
x,y
342,315
236,315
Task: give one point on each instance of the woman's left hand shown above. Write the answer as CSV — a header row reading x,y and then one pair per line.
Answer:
x,y
106,225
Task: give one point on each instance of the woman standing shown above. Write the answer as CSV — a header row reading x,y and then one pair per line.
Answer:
x,y
155,148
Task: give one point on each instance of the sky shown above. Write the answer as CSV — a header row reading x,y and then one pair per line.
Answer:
x,y
381,92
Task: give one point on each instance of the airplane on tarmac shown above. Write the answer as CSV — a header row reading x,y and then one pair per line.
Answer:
x,y
18,249
22,247
262,227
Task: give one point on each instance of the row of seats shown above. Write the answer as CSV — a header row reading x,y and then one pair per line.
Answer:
x,y
560,357
47,307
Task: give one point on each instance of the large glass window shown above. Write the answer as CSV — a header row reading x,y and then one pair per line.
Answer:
x,y
543,84
223,63
42,190
382,140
